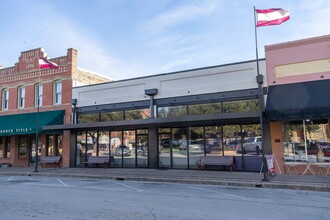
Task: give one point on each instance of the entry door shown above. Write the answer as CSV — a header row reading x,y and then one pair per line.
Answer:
x,y
164,150
32,149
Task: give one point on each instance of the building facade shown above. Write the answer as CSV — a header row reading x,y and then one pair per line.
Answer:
x,y
31,99
298,104
170,120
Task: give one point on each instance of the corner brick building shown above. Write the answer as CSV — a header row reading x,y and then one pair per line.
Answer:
x,y
22,87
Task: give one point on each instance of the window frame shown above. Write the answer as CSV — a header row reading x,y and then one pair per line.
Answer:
x,y
5,99
57,94
38,89
21,97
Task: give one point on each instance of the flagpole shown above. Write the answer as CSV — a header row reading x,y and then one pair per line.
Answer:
x,y
261,100
37,124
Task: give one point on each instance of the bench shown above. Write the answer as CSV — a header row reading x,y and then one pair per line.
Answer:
x,y
55,160
103,160
205,161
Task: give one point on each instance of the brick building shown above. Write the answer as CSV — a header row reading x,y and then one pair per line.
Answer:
x,y
22,87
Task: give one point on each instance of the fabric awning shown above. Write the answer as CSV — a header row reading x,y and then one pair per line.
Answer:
x,y
27,123
299,101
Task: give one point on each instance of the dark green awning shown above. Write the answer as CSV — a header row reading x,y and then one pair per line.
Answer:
x,y
27,123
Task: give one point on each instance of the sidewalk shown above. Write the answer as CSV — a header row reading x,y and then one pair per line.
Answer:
x,y
224,178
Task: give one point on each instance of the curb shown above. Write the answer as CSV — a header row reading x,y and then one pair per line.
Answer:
x,y
230,183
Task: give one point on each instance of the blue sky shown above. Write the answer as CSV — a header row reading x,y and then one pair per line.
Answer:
x,y
131,38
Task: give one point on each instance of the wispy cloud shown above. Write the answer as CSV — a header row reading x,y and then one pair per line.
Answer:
x,y
180,15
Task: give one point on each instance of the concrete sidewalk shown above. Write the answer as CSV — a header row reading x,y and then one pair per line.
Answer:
x,y
224,178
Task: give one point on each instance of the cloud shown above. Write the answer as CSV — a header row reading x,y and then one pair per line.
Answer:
x,y
180,15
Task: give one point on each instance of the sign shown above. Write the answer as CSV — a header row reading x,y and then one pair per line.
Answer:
x,y
270,163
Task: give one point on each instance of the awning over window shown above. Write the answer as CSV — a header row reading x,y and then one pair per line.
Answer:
x,y
27,123
299,101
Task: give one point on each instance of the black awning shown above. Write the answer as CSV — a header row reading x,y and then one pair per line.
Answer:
x,y
299,101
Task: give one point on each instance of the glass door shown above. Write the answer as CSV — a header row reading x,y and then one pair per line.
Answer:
x,y
31,143
141,149
164,150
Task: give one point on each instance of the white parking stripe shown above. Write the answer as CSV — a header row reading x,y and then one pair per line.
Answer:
x,y
140,190
10,178
62,183
212,191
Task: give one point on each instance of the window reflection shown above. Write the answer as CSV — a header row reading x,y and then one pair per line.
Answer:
x,y
112,116
137,114
172,111
88,118
301,136
202,109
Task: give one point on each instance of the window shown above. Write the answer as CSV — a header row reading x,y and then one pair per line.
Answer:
x,y
301,138
88,118
5,98
57,92
172,111
38,94
21,97
137,114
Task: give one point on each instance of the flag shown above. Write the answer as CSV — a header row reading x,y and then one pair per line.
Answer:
x,y
273,16
44,63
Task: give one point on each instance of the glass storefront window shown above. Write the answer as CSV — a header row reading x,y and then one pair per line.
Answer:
x,y
232,140
240,106
59,147
104,143
172,111
112,116
306,137
91,143
88,118
213,139
50,145
5,147
252,141
137,114
22,148
2,146
203,109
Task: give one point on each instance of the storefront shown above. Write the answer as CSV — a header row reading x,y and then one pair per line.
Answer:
x,y
169,120
298,104
18,134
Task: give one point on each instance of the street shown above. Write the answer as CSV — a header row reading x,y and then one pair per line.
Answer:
x,y
34,197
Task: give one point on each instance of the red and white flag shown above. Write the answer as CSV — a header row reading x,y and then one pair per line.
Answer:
x,y
273,16
46,64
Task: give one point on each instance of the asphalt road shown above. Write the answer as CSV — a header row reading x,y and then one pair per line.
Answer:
x,y
32,197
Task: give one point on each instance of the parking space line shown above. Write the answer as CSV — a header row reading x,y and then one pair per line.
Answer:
x,y
213,191
62,182
140,190
10,178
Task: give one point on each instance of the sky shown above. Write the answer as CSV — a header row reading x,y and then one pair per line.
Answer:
x,y
125,39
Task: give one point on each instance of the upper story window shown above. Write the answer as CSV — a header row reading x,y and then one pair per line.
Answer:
x,y
5,99
21,97
38,94
58,92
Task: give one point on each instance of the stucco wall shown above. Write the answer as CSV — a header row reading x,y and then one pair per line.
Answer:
x,y
231,77
298,61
